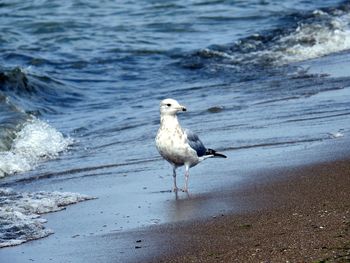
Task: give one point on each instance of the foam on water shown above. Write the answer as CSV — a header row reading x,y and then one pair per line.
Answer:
x,y
20,219
36,141
316,39
319,34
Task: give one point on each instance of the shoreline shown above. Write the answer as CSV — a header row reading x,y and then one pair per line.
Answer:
x,y
296,211
304,217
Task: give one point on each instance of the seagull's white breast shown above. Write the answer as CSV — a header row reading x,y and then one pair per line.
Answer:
x,y
172,145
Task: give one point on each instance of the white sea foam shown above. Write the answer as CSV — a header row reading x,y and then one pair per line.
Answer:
x,y
323,34
337,134
328,34
316,39
20,219
36,141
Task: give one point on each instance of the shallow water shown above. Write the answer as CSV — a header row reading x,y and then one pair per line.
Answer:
x,y
80,85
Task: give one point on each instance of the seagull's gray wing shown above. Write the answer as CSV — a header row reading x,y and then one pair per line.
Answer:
x,y
195,142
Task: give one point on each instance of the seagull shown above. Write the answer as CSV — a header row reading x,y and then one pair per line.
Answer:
x,y
177,145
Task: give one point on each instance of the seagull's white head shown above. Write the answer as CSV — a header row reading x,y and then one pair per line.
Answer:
x,y
170,107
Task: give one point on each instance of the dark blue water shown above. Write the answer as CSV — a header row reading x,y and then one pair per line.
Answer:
x,y
80,84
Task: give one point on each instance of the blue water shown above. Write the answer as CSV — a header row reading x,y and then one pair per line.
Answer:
x,y
80,84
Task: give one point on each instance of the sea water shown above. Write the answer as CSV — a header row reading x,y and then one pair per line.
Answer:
x,y
81,81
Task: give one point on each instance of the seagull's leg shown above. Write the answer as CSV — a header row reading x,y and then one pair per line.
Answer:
x,y
187,174
174,175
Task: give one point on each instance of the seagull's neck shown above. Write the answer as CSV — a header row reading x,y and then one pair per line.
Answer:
x,y
169,121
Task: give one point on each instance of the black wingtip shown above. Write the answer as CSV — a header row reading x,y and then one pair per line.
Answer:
x,y
220,155
214,153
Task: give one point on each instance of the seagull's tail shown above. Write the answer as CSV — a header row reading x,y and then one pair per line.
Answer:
x,y
214,153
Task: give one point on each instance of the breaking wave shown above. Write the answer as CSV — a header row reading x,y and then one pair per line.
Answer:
x,y
25,140
303,37
36,141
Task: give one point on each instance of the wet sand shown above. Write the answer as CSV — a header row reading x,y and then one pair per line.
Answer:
x,y
303,218
295,210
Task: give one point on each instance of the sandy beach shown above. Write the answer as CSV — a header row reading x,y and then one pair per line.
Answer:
x,y
292,214
296,211
302,218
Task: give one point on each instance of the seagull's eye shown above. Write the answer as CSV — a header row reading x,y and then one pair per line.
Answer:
x,y
168,104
